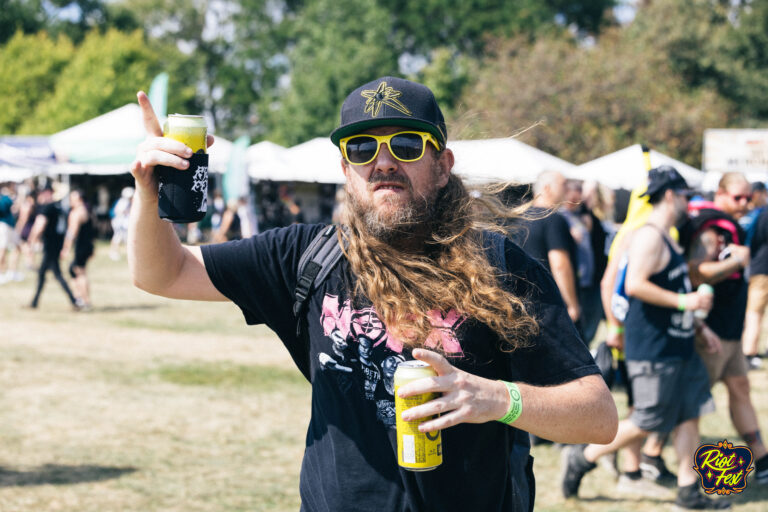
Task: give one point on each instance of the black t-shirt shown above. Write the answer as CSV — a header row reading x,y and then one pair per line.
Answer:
x,y
759,246
550,233
350,461
55,227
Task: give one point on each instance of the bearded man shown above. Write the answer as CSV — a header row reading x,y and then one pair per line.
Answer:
x,y
416,282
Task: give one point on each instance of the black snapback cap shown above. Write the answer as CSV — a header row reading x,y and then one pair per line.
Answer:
x,y
662,178
391,101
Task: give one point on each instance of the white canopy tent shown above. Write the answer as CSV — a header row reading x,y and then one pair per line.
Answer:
x,y
504,160
107,144
626,169
23,157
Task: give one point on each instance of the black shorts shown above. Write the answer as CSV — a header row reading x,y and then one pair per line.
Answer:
x,y
82,256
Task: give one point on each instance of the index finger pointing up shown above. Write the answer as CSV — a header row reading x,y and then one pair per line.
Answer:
x,y
151,124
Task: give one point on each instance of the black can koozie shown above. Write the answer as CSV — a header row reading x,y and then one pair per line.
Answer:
x,y
183,194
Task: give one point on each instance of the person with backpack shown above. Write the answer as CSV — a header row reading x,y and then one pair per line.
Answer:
x,y
420,278
717,256
668,379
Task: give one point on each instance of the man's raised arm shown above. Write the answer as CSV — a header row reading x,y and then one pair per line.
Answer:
x,y
158,262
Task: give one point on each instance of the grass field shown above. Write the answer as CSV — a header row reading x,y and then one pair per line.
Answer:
x,y
146,404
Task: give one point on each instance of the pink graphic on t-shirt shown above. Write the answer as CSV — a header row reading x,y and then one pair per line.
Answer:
x,y
335,317
340,320
444,333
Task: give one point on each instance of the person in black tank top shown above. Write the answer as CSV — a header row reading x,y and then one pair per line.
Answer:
x,y
717,257
668,379
80,235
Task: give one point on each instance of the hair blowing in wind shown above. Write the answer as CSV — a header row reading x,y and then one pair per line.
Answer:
x,y
452,273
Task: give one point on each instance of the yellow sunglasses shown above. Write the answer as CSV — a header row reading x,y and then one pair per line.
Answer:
x,y
408,146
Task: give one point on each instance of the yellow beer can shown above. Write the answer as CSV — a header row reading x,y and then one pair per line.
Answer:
x,y
189,130
416,451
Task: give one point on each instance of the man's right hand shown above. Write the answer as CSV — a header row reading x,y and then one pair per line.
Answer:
x,y
157,150
740,253
696,301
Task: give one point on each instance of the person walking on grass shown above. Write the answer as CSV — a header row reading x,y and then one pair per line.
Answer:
x,y
50,226
417,282
718,257
80,235
669,381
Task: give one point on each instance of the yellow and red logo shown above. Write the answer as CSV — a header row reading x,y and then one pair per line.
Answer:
x,y
723,468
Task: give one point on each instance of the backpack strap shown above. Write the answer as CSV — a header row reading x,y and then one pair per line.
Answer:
x,y
322,254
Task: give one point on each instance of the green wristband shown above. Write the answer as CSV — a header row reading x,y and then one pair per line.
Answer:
x,y
515,404
616,329
681,301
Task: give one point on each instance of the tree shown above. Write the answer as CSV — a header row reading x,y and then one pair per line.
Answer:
x,y
342,44
104,74
591,101
31,66
20,15
717,44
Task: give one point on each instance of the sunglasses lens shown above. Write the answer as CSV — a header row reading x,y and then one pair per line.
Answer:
x,y
407,146
361,149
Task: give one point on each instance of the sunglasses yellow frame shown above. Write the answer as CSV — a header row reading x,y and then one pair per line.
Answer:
x,y
425,136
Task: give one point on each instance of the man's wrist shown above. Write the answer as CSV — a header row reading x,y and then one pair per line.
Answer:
x,y
515,408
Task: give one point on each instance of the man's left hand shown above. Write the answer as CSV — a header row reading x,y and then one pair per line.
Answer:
x,y
466,398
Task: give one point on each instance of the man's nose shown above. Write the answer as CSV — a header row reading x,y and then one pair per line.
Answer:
x,y
385,161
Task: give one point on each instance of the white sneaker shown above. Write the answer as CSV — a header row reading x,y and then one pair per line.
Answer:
x,y
18,277
754,362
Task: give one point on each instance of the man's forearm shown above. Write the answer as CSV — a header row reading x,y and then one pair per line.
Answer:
x,y
155,254
646,291
580,411
713,272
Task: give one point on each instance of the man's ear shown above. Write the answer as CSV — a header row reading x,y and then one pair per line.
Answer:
x,y
344,167
445,164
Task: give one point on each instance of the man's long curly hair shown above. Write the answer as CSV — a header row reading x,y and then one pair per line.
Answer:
x,y
452,273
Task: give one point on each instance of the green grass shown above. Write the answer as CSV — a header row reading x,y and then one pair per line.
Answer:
x,y
152,405
233,376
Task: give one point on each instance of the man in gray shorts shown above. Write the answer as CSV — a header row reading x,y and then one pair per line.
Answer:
x,y
669,381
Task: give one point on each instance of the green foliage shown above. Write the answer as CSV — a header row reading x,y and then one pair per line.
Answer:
x,y
592,101
31,65
716,44
342,44
24,15
104,74
588,16
447,74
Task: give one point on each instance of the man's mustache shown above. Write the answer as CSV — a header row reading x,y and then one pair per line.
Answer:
x,y
388,178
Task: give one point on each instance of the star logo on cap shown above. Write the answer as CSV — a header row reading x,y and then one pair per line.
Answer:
x,y
383,96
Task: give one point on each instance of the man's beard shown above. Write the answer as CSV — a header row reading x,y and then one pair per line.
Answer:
x,y
395,221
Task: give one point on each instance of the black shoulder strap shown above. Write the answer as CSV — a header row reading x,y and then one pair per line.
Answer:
x,y
322,254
